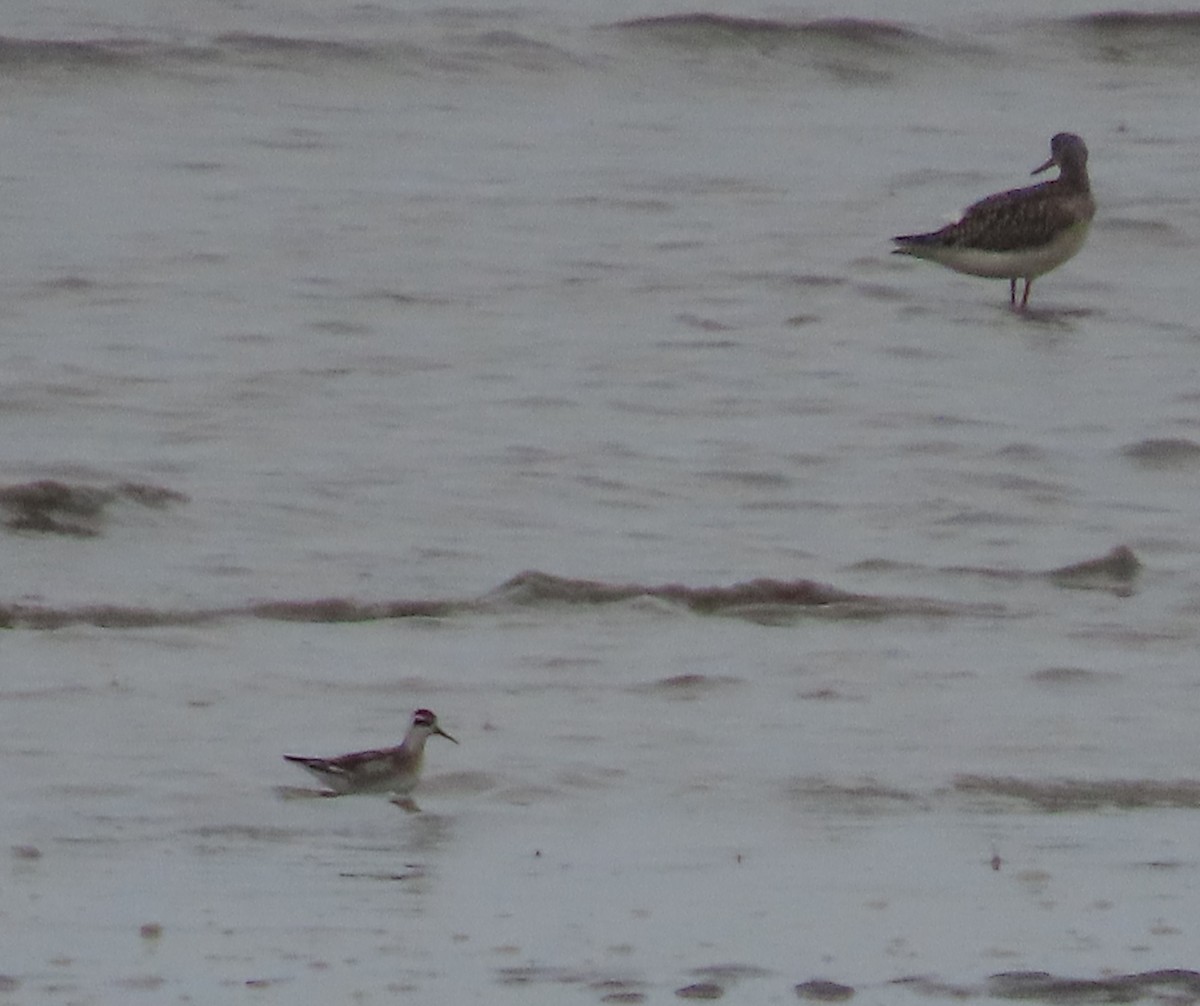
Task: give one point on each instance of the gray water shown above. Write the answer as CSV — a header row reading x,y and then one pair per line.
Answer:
x,y
548,367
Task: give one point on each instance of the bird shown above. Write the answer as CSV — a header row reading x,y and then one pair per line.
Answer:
x,y
1021,233
393,770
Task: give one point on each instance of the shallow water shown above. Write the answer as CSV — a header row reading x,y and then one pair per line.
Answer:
x,y
551,371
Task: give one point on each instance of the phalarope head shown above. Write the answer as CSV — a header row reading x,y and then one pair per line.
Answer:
x,y
425,724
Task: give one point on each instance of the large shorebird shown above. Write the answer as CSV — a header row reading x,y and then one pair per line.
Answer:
x,y
1019,234
386,770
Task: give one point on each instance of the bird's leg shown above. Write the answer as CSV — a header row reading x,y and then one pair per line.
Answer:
x,y
1025,299
1012,291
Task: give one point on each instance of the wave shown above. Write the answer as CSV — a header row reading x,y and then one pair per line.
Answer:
x,y
464,52
848,47
850,50
761,601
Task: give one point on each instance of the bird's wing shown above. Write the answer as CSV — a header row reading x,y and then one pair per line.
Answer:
x,y
1007,221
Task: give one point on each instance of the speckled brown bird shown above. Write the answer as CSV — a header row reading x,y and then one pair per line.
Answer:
x,y
1021,233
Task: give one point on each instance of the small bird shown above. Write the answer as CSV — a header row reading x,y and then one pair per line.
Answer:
x,y
386,770
1021,233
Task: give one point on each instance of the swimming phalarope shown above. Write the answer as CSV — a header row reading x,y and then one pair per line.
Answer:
x,y
1021,233
386,770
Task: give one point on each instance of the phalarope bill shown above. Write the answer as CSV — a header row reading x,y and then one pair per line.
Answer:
x,y
1021,233
385,770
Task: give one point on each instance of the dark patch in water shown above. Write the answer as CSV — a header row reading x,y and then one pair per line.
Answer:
x,y
708,29
701,990
1175,985
50,691
1125,20
817,281
331,611
253,43
1023,453
821,990
33,53
334,610
1132,36
880,565
863,796
750,479
414,875
703,324
934,988
616,989
52,507
683,686
1116,570
731,972
1046,987
826,695
102,616
1068,676
1059,795
1036,489
252,833
1164,452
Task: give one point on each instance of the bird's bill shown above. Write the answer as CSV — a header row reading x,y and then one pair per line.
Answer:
x,y
1045,167
441,732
